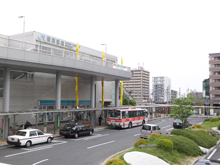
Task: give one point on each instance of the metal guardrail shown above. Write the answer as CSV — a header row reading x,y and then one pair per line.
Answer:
x,y
61,52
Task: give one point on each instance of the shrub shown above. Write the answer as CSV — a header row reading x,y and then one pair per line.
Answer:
x,y
112,161
118,163
202,130
219,127
199,137
154,135
165,144
139,142
184,145
208,119
133,102
125,101
197,126
214,119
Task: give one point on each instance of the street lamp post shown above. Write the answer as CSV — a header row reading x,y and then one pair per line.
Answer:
x,y
23,29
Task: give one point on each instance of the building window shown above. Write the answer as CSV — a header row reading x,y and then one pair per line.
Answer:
x,y
62,43
48,39
58,42
53,40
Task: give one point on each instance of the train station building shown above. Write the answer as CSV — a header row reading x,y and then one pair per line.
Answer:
x,y
38,78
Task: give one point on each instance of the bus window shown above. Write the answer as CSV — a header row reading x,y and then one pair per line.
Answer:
x,y
146,113
124,115
114,114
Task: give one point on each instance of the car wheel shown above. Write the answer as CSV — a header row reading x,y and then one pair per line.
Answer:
x,y
28,144
130,125
90,133
76,135
49,140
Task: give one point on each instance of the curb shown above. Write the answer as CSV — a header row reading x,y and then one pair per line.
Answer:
x,y
103,163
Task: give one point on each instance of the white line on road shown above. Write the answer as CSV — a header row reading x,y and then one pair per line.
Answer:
x,y
35,149
212,154
100,144
165,127
136,134
38,148
40,161
91,137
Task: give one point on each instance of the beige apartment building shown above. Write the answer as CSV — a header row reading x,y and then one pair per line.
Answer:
x,y
214,76
138,86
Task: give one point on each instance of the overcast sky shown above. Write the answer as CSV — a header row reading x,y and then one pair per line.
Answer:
x,y
170,38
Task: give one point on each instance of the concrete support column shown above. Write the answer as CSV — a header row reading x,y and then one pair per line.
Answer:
x,y
117,93
58,98
6,90
92,118
58,90
6,97
92,93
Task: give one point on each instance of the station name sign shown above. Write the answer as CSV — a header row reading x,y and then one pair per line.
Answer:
x,y
56,41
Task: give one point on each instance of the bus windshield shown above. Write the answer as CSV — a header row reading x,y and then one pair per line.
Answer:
x,y
114,114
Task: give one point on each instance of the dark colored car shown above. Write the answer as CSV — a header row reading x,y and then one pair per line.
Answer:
x,y
72,130
179,124
204,162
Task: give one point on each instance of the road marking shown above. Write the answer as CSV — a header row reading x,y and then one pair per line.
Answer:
x,y
165,127
35,149
169,129
212,154
100,144
91,137
136,134
40,161
38,148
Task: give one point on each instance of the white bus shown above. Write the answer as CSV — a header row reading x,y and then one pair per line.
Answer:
x,y
126,118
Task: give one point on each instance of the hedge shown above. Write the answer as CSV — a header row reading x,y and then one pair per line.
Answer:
x,y
199,137
184,145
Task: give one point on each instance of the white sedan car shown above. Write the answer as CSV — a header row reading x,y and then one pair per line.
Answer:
x,y
28,137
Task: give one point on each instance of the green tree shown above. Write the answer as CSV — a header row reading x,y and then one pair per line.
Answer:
x,y
182,108
125,101
133,102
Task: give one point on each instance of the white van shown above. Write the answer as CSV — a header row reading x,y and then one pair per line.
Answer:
x,y
148,129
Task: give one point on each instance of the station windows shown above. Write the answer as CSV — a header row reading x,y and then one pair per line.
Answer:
x,y
53,40
48,39
62,43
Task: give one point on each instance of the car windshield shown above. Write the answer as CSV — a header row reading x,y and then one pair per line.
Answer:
x,y
178,120
68,126
21,133
146,127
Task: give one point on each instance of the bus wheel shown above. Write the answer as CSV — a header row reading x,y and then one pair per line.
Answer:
x,y
143,122
130,125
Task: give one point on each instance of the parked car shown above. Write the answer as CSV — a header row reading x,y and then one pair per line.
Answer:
x,y
72,130
28,137
204,162
148,129
177,123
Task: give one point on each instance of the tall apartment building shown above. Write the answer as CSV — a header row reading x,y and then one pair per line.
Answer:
x,y
173,95
214,77
138,86
161,89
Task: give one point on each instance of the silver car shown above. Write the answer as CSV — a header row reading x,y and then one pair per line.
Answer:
x,y
148,129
